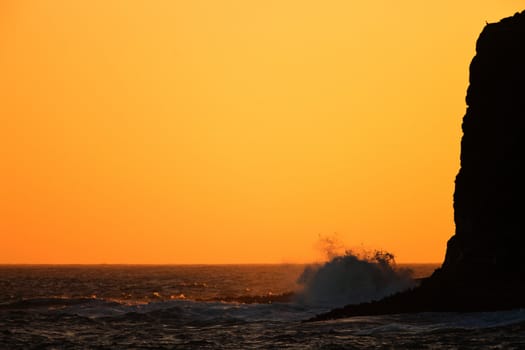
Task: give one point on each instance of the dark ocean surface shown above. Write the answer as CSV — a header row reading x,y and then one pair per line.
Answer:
x,y
222,307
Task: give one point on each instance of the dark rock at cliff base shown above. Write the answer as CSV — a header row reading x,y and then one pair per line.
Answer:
x,y
484,267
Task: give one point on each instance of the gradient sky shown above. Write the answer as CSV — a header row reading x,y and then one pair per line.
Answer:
x,y
231,131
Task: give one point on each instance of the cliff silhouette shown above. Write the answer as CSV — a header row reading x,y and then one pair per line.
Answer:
x,y
484,266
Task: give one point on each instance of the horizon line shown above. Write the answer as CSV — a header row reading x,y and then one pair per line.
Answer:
x,y
192,264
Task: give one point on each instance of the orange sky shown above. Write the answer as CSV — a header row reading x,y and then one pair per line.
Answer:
x,y
231,131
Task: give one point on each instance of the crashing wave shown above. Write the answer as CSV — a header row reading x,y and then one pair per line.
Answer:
x,y
353,278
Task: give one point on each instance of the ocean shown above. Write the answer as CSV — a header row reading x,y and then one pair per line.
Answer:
x,y
225,307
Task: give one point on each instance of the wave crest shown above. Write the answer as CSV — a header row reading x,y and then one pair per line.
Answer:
x,y
353,278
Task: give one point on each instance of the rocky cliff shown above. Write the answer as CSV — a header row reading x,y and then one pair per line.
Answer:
x,y
489,199
484,267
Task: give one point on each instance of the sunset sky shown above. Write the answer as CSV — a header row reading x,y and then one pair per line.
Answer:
x,y
231,131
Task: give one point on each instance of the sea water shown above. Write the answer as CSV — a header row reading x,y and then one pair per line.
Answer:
x,y
219,307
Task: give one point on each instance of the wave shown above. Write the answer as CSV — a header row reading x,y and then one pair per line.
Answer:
x,y
53,303
207,313
353,278
256,299
434,322
224,309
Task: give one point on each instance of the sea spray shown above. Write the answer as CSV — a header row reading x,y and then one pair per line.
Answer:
x,y
353,278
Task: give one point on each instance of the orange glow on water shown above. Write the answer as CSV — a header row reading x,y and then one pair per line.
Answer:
x,y
231,131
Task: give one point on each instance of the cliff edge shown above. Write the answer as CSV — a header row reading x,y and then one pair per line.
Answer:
x,y
489,199
484,266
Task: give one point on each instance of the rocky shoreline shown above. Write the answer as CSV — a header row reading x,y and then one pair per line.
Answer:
x,y
438,298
